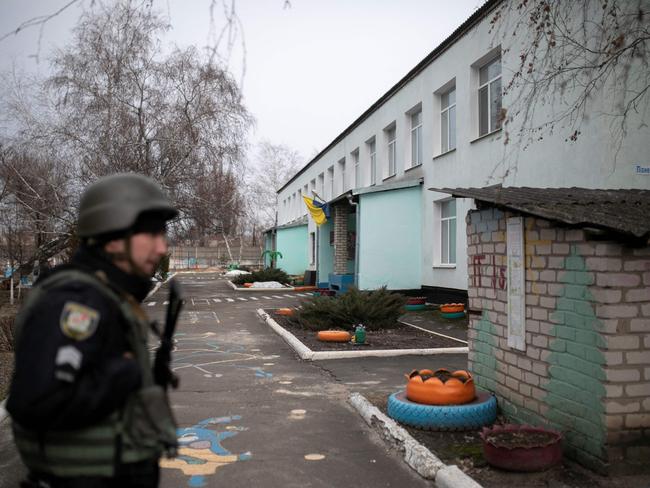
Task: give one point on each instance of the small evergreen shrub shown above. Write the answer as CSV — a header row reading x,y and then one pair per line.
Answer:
x,y
267,274
375,309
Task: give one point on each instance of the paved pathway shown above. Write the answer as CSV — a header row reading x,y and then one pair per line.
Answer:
x,y
252,414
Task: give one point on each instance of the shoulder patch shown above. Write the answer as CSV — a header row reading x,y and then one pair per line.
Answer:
x,y
78,321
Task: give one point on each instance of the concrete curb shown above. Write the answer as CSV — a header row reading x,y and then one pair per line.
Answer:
x,y
159,284
432,332
268,290
418,457
305,353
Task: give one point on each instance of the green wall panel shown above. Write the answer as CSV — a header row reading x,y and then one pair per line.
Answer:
x,y
390,247
293,243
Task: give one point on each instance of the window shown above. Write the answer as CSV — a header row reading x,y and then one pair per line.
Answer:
x,y
448,232
330,182
390,138
448,120
299,205
372,151
342,173
321,184
357,168
416,138
489,97
312,188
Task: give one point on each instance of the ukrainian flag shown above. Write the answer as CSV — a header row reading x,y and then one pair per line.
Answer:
x,y
319,211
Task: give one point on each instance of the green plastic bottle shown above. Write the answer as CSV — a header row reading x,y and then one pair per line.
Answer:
x,y
360,334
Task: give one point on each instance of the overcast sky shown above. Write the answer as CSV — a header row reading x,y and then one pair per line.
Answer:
x,y
311,68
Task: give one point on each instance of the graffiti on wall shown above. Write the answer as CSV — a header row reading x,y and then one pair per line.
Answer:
x,y
488,266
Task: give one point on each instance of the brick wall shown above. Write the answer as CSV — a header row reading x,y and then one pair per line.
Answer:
x,y
340,239
586,367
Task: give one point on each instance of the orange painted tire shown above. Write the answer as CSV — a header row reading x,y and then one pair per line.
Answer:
x,y
304,288
452,307
285,311
334,336
248,285
433,391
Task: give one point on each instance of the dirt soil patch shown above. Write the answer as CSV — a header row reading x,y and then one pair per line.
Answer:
x,y
400,337
465,449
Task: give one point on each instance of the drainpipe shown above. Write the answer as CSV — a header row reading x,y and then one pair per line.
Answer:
x,y
357,212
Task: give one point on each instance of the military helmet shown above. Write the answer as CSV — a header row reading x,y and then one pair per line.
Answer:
x,y
113,204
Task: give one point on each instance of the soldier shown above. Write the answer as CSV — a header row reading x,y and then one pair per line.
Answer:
x,y
87,410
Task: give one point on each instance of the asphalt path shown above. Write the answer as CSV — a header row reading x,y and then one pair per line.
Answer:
x,y
252,414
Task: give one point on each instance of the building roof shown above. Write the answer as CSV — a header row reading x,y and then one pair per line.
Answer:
x,y
462,29
621,211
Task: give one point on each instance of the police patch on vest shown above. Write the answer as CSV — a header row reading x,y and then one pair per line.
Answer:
x,y
78,321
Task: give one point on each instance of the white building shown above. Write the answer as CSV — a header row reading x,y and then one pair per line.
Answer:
x,y
440,127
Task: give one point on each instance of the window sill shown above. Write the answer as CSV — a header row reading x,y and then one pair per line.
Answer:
x,y
444,154
486,135
444,266
389,177
413,167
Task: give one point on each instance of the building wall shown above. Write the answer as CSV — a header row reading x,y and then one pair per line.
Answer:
x,y
594,160
293,243
586,365
390,229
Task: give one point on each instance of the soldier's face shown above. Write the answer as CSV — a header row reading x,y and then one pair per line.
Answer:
x,y
147,249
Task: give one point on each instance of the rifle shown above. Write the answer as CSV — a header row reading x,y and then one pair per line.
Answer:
x,y
163,374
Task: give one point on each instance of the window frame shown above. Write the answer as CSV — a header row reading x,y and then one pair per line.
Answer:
x,y
372,156
417,131
342,171
445,221
357,168
487,85
391,150
447,111
330,182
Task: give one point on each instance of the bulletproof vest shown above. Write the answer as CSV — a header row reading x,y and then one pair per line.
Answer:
x,y
141,430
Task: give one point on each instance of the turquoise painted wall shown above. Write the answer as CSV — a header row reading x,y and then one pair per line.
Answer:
x,y
390,245
325,252
293,244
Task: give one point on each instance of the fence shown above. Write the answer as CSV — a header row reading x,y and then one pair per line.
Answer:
x,y
189,257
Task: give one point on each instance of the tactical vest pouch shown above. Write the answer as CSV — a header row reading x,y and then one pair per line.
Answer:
x,y
149,422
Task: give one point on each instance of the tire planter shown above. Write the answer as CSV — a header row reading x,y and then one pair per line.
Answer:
x,y
452,308
414,308
452,315
416,300
287,312
248,285
539,448
334,336
482,411
426,387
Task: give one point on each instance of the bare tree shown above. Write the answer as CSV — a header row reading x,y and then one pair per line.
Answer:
x,y
274,165
580,59
116,103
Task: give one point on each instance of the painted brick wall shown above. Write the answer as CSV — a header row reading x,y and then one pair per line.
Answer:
x,y
340,239
586,367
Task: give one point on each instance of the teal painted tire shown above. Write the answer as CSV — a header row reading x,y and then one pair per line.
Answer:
x,y
469,416
414,308
452,315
